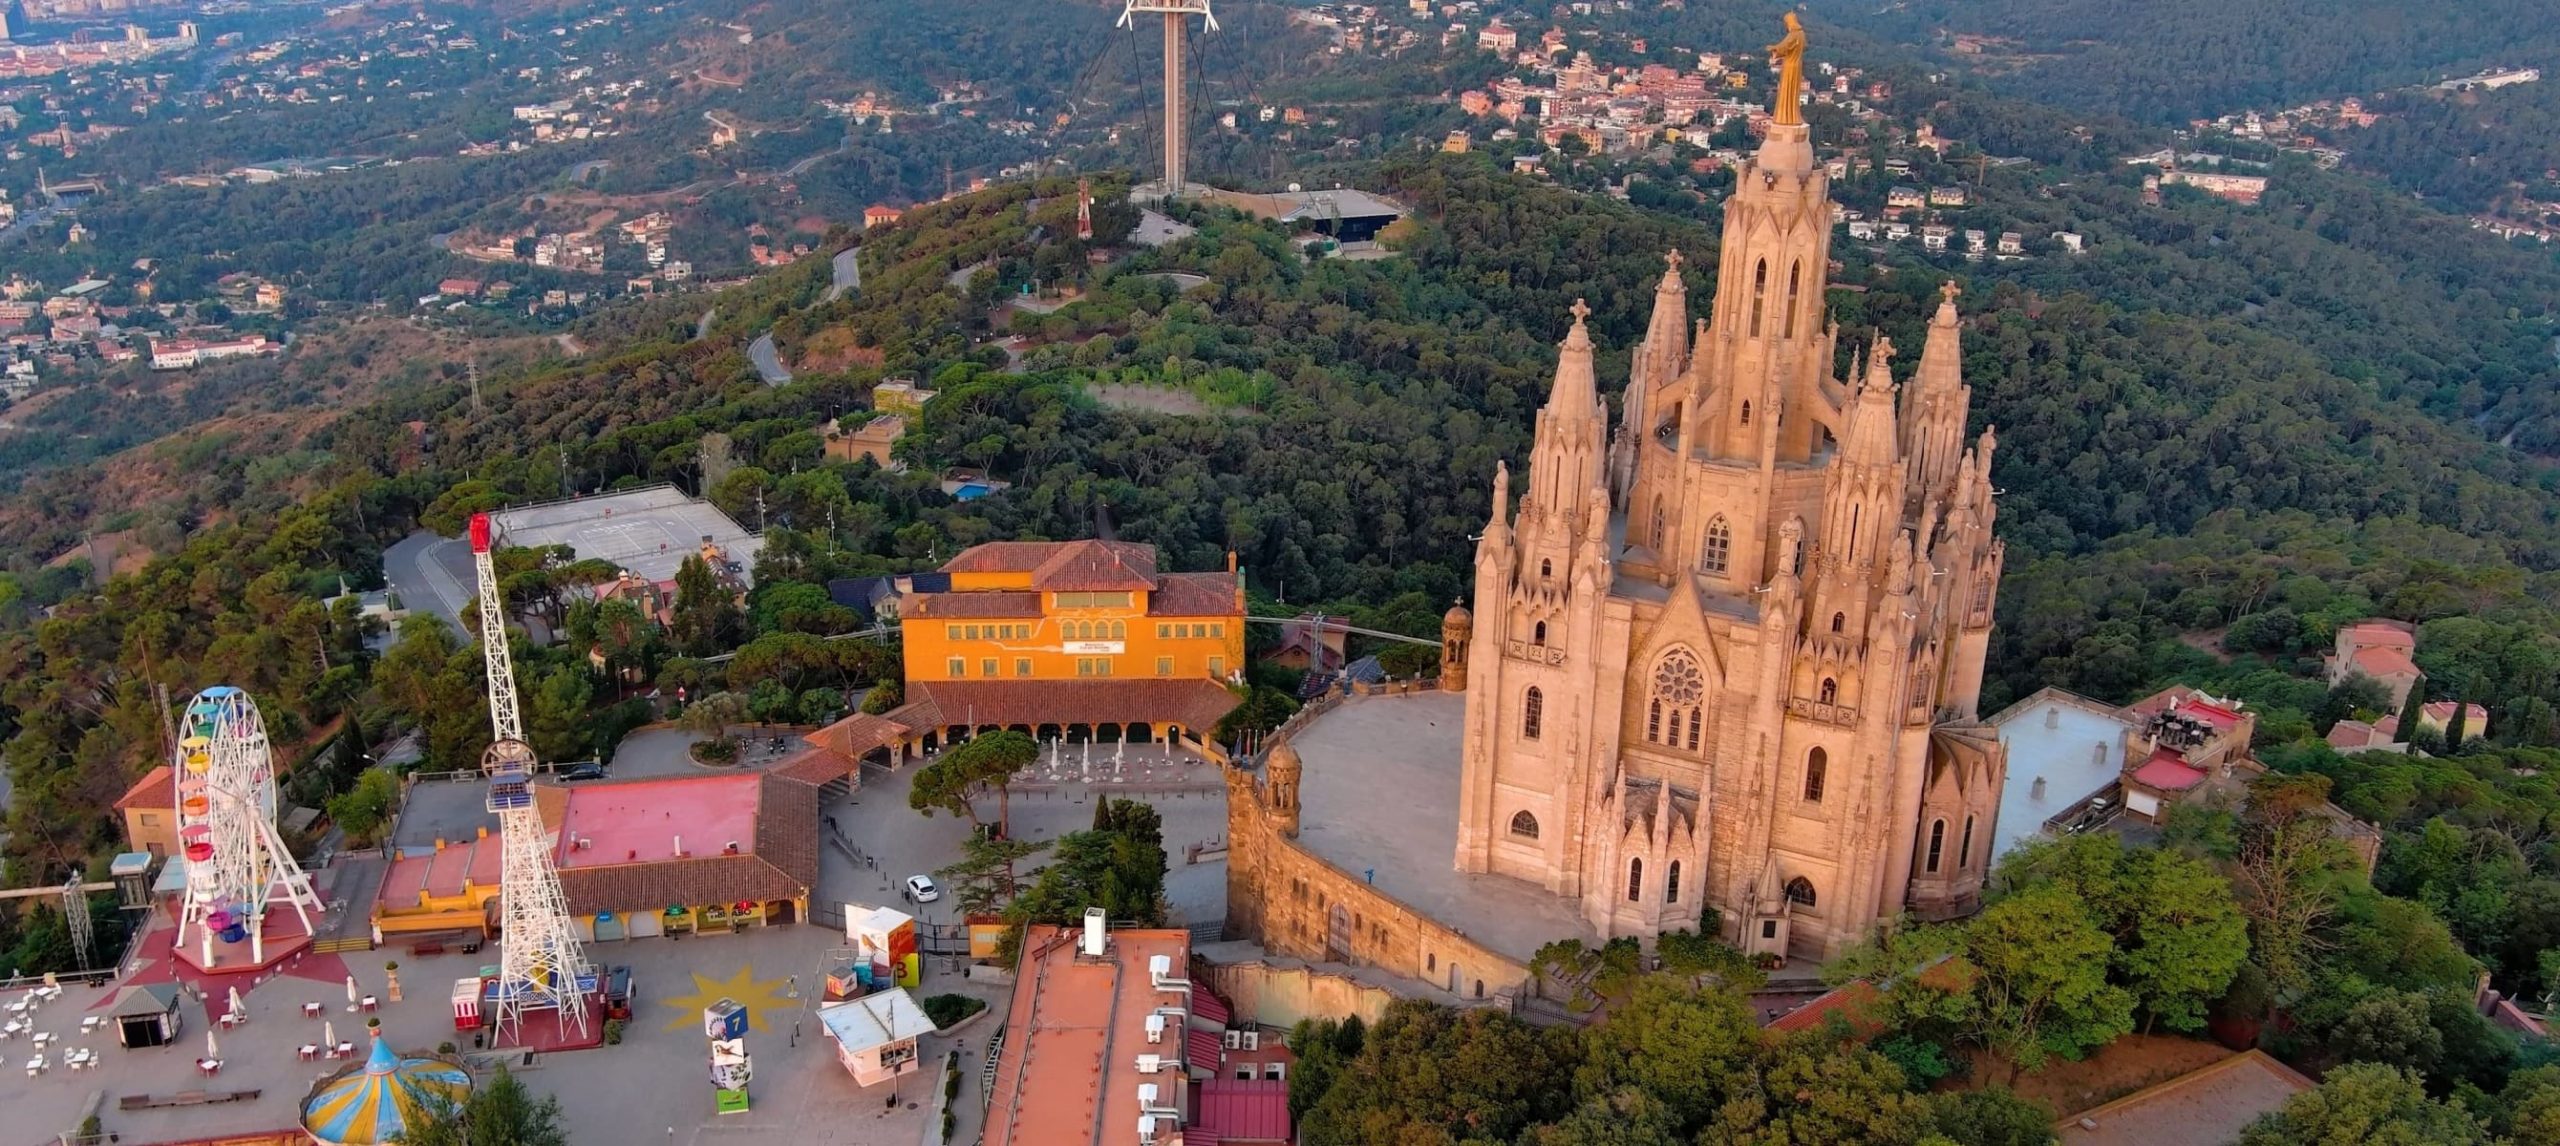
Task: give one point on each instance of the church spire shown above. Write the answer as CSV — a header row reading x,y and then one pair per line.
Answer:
x,y
1868,439
1934,412
1656,364
1575,390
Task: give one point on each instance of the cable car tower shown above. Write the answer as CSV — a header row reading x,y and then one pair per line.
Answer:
x,y
539,965
1174,13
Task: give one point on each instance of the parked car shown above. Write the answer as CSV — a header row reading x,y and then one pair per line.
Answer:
x,y
921,889
589,770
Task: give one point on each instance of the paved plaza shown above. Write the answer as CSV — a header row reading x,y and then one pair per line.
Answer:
x,y
647,531
1379,798
902,842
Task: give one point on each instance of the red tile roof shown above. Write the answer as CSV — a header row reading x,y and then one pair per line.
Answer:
x,y
1851,1001
1064,566
1236,1110
1196,595
2383,662
2168,772
154,790
2369,633
984,603
1195,703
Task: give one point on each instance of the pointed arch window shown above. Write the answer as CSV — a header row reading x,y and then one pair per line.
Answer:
x,y
1839,621
1800,892
1546,567
1718,554
1679,691
1794,290
1795,563
1533,706
1817,767
1937,844
1671,883
1635,881
1830,691
1746,413
1982,595
1659,520
1538,634
1524,825
1759,293
1854,515
1964,847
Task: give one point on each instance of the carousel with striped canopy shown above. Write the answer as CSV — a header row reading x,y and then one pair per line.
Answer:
x,y
382,1101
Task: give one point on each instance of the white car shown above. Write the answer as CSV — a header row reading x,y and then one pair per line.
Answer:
x,y
921,889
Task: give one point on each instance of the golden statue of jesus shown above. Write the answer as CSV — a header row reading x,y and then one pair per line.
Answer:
x,y
1788,54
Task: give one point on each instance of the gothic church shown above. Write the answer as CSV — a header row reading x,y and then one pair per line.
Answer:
x,y
1729,655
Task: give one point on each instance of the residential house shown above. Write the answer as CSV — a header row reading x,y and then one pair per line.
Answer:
x,y
2381,650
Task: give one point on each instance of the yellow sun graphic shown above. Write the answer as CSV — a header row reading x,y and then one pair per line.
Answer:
x,y
759,996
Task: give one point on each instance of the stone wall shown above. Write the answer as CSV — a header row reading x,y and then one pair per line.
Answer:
x,y
1277,993
1282,896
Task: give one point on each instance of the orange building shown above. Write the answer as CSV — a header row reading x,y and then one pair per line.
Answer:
x,y
149,809
1046,635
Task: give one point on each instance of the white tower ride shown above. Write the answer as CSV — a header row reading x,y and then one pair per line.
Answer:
x,y
539,965
1174,12
226,791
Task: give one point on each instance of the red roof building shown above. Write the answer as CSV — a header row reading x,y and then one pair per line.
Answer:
x,y
150,813
2382,650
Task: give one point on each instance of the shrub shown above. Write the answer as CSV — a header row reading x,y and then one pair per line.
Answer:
x,y
723,750
945,1010
613,1031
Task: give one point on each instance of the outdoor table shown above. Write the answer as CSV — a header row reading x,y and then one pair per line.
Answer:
x,y
90,1023
345,1049
311,1010
209,1066
369,1003
43,1037
309,1051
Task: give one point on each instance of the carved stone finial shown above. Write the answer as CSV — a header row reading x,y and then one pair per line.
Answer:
x,y
1581,310
1948,290
1672,258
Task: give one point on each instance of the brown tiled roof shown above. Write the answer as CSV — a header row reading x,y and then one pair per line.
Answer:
x,y
919,714
1087,565
1196,595
1064,566
857,734
935,606
782,863
1195,703
1002,557
816,766
156,789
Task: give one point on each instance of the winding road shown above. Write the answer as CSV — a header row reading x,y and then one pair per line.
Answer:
x,y
768,363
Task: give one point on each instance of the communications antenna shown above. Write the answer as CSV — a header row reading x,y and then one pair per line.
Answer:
x,y
1175,12
539,965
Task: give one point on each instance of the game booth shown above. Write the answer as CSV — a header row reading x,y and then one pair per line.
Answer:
x,y
148,1016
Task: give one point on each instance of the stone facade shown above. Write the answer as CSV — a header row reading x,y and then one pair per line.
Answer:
x,y
1295,904
1731,655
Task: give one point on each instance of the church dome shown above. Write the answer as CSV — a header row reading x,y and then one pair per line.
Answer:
x,y
1457,616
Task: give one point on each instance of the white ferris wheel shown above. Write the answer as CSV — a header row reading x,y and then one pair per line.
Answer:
x,y
236,864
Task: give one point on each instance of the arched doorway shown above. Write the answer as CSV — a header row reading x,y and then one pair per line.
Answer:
x,y
1337,940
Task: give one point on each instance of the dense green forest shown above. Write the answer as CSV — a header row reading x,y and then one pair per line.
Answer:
x,y
2176,60
2469,151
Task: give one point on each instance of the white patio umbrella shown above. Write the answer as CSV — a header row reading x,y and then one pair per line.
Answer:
x,y
328,1033
235,1001
351,992
212,1049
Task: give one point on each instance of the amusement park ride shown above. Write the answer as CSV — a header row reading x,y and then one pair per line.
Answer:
x,y
539,966
236,865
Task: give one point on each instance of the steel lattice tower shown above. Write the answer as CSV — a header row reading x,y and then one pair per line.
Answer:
x,y
1174,12
75,913
539,964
